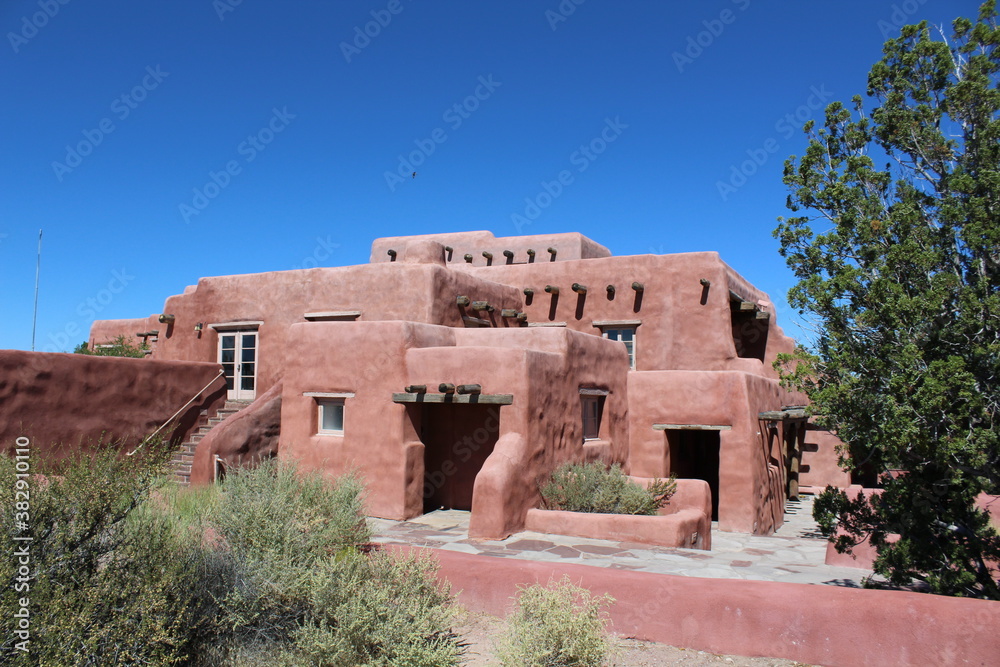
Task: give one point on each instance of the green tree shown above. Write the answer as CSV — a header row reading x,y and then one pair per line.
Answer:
x,y
899,267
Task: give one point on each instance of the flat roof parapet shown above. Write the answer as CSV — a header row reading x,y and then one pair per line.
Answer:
x,y
483,248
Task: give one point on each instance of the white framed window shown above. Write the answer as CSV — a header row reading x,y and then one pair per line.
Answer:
x,y
331,416
625,334
329,411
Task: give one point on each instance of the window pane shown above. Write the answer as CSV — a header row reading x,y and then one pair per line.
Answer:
x,y
229,342
247,383
331,416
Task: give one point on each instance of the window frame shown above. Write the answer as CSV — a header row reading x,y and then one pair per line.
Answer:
x,y
630,346
322,405
332,399
592,397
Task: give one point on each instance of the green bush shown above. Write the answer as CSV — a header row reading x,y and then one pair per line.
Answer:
x,y
267,569
380,610
297,588
554,626
275,512
591,487
109,585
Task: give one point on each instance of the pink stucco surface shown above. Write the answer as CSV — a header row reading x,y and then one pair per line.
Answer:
x,y
685,521
568,246
823,625
684,529
543,368
65,401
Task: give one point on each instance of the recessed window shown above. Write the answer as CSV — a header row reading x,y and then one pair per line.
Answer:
x,y
331,416
593,407
627,336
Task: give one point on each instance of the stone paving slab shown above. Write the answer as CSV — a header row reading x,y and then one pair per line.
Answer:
x,y
795,554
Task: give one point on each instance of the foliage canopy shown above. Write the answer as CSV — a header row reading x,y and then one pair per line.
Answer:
x,y
901,268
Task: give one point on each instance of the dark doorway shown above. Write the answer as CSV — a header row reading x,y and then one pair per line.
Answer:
x,y
457,441
695,455
794,433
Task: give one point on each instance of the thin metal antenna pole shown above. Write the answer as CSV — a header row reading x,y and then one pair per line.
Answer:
x,y
38,266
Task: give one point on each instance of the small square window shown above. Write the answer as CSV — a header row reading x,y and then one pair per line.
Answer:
x,y
331,416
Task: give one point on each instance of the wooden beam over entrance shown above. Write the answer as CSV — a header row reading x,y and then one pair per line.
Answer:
x,y
472,399
691,427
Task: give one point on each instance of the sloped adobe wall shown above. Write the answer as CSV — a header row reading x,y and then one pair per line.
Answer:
x,y
244,439
64,401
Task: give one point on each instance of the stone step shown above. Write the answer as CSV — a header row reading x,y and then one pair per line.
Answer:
x,y
183,458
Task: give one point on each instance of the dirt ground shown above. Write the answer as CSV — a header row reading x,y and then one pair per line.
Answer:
x,y
480,631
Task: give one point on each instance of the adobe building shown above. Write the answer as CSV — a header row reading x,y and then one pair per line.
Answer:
x,y
458,370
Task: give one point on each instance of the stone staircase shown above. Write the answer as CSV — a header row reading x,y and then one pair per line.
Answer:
x,y
184,456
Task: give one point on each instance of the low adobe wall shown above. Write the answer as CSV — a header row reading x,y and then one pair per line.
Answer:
x,y
686,521
681,529
62,402
824,625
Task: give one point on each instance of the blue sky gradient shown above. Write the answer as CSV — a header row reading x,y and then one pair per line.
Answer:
x,y
157,143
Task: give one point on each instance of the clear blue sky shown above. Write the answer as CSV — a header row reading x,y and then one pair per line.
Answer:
x,y
115,113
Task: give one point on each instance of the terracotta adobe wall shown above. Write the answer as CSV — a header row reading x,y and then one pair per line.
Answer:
x,y
819,467
74,400
542,369
105,331
417,292
684,325
568,246
750,474
822,625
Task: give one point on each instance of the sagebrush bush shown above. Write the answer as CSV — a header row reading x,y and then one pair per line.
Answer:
x,y
266,569
276,512
380,610
559,625
109,585
297,588
592,487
